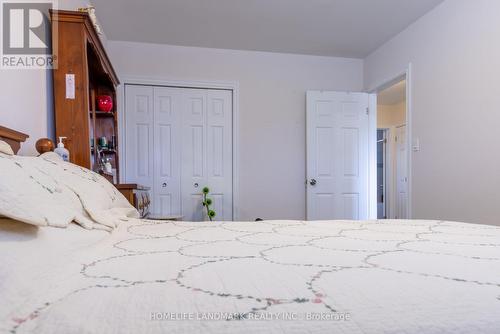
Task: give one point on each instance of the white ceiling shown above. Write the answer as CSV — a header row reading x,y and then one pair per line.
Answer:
x,y
393,94
343,28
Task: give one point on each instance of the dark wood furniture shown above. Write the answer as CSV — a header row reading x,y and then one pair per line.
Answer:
x,y
13,138
78,51
44,145
137,195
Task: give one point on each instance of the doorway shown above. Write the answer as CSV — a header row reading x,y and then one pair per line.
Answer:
x,y
382,135
392,155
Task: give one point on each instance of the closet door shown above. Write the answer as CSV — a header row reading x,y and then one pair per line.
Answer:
x,y
139,135
220,152
194,153
166,188
206,152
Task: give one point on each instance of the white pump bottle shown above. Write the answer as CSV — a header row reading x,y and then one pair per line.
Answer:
x,y
61,150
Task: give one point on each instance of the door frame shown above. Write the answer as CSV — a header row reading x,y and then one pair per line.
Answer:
x,y
233,86
386,169
405,73
395,176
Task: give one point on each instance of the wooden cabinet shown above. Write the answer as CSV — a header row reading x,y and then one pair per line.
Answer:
x,y
79,56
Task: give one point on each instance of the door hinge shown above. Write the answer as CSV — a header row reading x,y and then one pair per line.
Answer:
x,y
367,111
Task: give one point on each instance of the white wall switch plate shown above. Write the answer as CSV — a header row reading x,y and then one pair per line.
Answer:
x,y
70,86
416,145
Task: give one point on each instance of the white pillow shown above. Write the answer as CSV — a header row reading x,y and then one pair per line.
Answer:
x,y
41,191
51,156
5,148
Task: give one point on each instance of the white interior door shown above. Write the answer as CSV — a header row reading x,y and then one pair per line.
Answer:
x,y
207,152
401,173
337,155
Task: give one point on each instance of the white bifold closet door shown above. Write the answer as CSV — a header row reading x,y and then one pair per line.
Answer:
x,y
177,141
207,152
167,107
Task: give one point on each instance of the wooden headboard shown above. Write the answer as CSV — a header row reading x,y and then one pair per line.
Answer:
x,y
12,137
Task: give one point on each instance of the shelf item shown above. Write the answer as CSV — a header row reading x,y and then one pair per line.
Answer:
x,y
79,52
105,103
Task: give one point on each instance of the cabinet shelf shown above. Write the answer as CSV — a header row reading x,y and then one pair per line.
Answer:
x,y
99,114
105,151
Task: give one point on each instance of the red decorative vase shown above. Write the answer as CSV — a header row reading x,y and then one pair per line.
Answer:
x,y
104,103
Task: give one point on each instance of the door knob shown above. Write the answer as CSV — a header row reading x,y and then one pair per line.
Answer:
x,y
312,182
164,184
196,185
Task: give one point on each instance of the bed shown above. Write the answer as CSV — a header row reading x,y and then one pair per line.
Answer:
x,y
113,273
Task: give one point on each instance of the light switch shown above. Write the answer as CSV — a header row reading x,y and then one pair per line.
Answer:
x,y
70,86
416,145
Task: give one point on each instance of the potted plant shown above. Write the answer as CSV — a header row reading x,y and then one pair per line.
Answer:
x,y
207,202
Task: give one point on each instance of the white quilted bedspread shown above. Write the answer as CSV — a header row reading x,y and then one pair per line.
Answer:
x,y
258,277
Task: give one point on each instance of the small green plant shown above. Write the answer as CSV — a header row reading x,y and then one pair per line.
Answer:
x,y
207,201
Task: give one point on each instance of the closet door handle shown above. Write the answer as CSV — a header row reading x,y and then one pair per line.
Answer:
x,y
164,184
196,185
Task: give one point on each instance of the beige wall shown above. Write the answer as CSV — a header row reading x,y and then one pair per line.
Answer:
x,y
454,52
272,111
390,115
